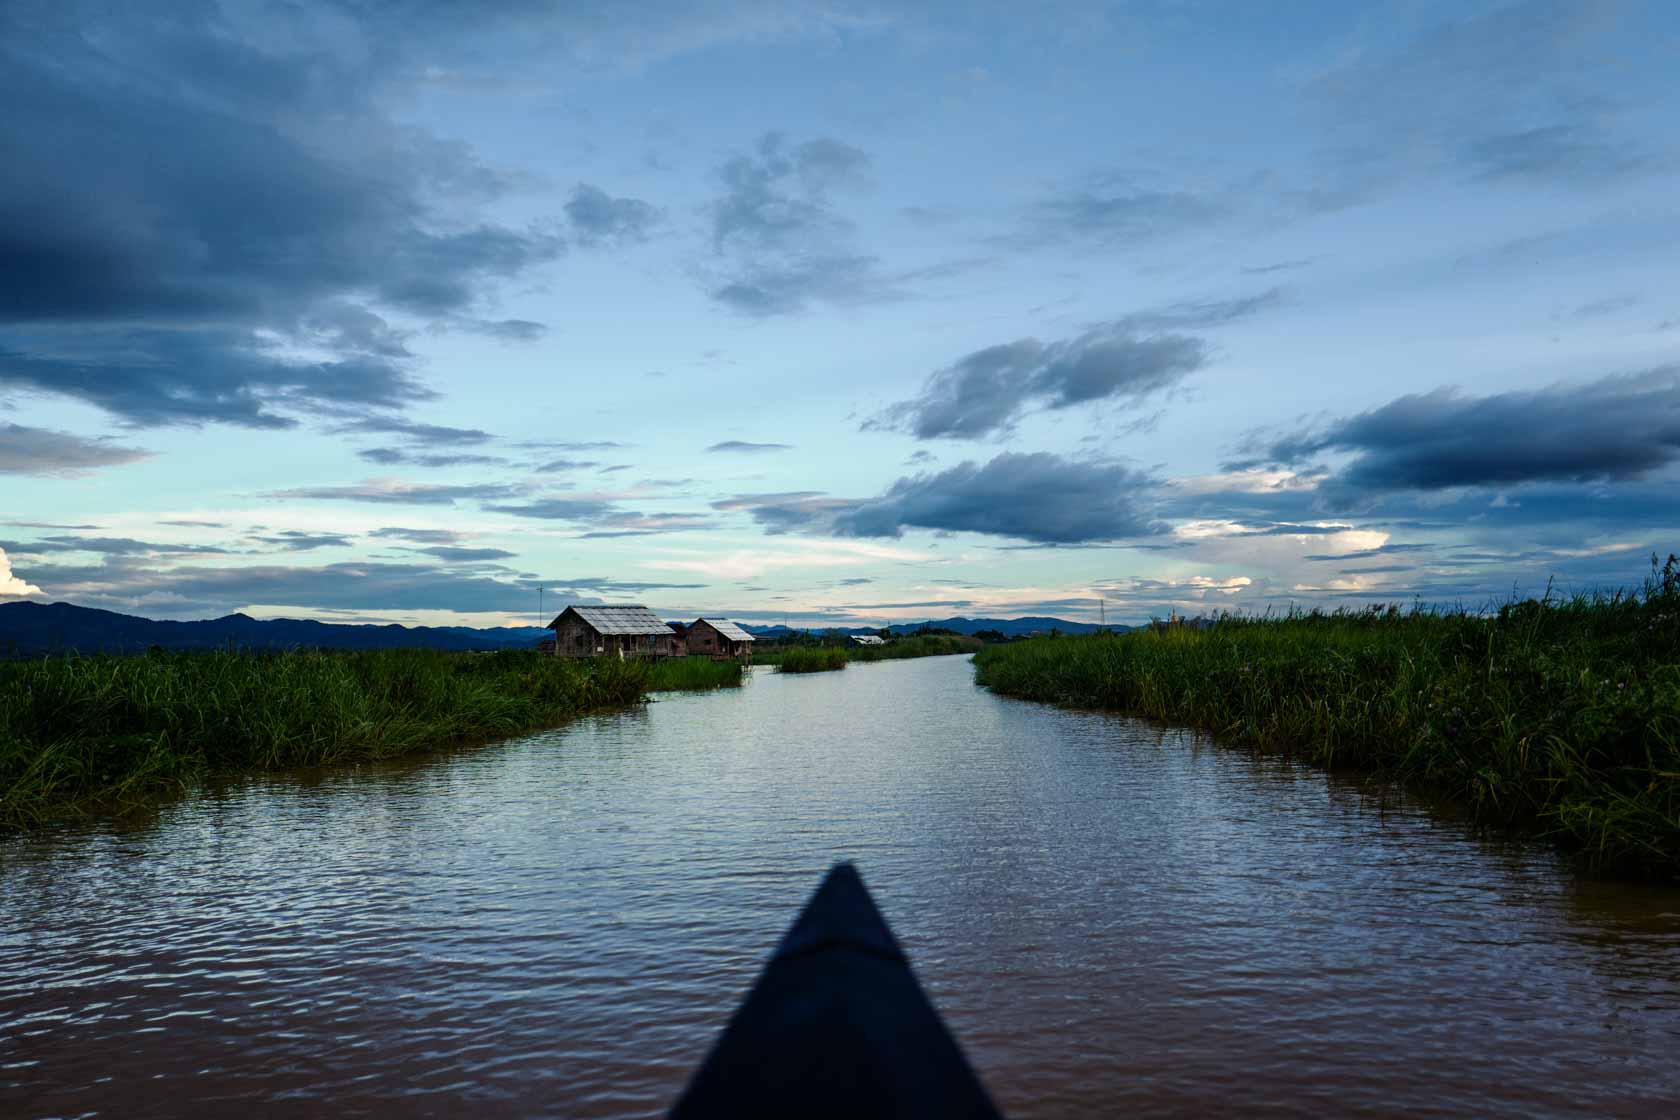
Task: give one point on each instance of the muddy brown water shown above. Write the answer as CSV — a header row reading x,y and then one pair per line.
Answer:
x,y
1114,918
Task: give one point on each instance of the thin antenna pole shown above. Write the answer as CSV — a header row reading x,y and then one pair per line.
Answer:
x,y
539,604
1102,606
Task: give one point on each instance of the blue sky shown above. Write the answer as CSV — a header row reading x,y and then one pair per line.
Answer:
x,y
398,312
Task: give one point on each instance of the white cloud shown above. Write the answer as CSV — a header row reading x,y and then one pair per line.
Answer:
x,y
11,586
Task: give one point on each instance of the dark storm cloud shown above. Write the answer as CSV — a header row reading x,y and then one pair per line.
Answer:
x,y
1615,429
987,391
782,243
41,451
398,493
738,445
1041,498
186,202
599,219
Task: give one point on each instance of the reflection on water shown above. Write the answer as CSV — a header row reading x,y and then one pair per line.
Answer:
x,y
1112,917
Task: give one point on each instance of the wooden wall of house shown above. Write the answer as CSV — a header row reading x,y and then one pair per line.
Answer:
x,y
575,638
704,641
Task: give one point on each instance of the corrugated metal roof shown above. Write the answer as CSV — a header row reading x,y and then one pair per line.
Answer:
x,y
728,629
618,620
868,639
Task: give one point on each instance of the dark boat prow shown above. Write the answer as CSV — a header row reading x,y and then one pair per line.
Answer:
x,y
836,1026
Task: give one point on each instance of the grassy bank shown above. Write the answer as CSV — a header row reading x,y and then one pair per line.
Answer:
x,y
807,659
821,657
1561,717
693,674
97,732
917,645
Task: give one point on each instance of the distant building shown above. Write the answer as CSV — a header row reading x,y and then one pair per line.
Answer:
x,y
719,637
610,631
868,640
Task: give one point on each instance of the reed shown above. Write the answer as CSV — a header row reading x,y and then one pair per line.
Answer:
x,y
102,732
810,659
694,674
1556,716
917,645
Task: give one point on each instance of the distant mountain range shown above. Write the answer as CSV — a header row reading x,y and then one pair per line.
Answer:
x,y
1013,627
33,628
29,628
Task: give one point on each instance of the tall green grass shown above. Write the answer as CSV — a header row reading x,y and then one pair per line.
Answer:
x,y
1556,716
810,659
694,674
102,731
911,645
917,645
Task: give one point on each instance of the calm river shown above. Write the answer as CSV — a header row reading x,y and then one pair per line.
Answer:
x,y
1113,918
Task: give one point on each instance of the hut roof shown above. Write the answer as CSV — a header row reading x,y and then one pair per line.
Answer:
x,y
617,619
869,639
728,629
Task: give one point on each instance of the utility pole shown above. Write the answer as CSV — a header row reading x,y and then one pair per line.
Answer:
x,y
539,604
1102,606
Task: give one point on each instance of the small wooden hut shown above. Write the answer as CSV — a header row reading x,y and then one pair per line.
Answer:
x,y
610,631
719,638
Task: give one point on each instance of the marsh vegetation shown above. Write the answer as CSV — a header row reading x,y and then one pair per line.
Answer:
x,y
107,731
1557,715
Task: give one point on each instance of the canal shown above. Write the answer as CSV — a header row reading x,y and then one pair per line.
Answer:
x,y
1113,917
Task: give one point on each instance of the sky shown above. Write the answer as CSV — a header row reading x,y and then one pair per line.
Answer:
x,y
840,314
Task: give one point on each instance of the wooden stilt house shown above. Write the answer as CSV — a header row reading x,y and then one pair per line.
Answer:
x,y
719,638
610,631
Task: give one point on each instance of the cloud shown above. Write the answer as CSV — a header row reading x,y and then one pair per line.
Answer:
x,y
1112,210
40,451
986,392
236,220
1560,151
421,536
427,434
110,546
789,511
389,456
296,540
1039,497
1494,95
598,219
396,491
781,242
200,591
569,445
505,330
13,586
558,509
1615,429
454,554
736,445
